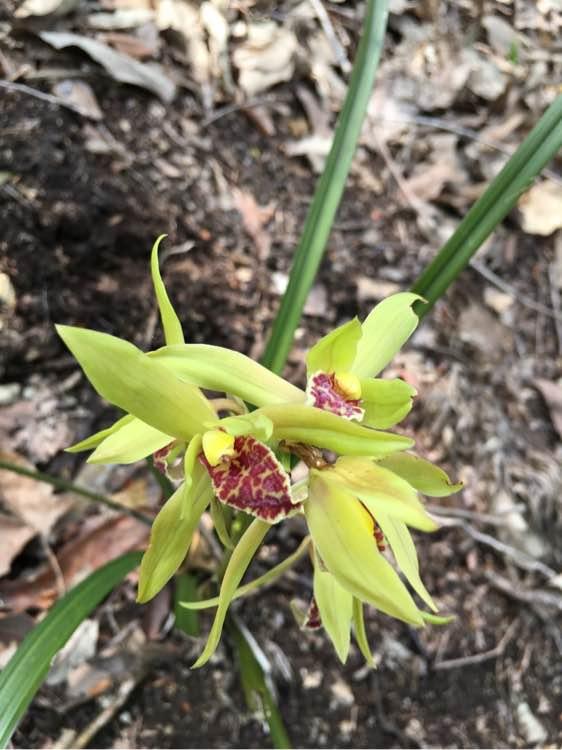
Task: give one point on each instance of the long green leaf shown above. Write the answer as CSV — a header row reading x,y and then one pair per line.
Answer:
x,y
26,670
257,683
542,143
329,188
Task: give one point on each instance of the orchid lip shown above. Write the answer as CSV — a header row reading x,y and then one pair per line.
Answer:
x,y
252,480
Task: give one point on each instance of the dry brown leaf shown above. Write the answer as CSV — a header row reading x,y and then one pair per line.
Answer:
x,y
120,19
428,184
120,67
14,535
541,209
30,8
184,18
254,218
552,394
81,96
101,541
31,501
131,45
265,58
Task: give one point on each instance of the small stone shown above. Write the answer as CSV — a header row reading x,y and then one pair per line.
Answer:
x,y
311,680
500,302
371,289
9,393
532,730
343,694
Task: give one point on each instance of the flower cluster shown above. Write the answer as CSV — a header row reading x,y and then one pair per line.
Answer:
x,y
360,493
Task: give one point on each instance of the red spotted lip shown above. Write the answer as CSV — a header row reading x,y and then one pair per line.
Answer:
x,y
253,480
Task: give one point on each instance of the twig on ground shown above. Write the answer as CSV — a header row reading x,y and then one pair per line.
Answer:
x,y
438,123
521,559
117,701
230,109
55,567
464,661
538,597
522,299
555,300
331,36
492,520
49,98
66,486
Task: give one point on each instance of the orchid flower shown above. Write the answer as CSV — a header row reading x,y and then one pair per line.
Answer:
x,y
228,456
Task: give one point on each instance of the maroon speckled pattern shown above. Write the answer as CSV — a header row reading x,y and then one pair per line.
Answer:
x,y
323,392
160,458
252,480
312,620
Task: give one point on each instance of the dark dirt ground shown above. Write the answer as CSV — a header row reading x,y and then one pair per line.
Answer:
x,y
75,232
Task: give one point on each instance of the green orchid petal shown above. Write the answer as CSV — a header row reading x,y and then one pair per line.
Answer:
x,y
131,442
173,333
191,469
218,513
361,632
227,371
389,325
126,377
337,523
237,565
423,475
404,551
260,426
264,580
437,619
311,426
380,491
336,351
335,607
386,402
171,534
94,440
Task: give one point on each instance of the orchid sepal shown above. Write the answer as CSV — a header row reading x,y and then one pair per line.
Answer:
x,y
173,333
139,385
340,531
421,474
237,566
171,534
380,490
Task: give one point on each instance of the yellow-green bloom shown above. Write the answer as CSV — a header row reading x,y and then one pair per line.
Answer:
x,y
354,506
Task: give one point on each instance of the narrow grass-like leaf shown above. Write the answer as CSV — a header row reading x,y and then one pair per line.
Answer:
x,y
257,682
185,588
540,146
330,187
26,670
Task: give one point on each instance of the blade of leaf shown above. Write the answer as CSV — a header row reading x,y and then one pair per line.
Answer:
x,y
256,681
541,145
185,588
173,333
26,670
329,188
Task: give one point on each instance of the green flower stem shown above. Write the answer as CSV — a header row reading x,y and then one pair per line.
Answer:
x,y
329,188
66,486
258,583
540,146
